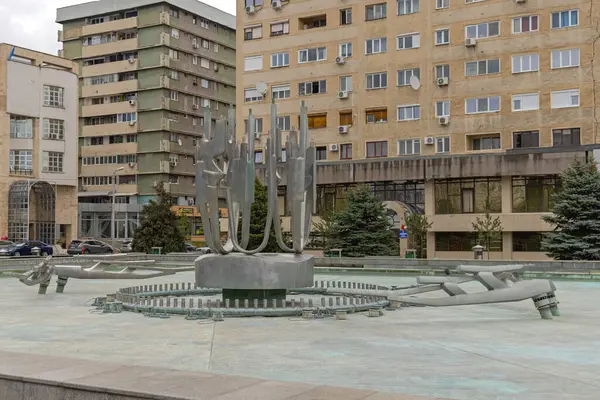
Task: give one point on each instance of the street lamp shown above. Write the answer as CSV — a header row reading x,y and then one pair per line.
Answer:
x,y
112,207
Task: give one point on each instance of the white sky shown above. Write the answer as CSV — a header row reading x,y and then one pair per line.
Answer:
x,y
30,23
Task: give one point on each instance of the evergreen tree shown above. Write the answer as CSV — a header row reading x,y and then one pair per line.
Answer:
x,y
258,221
417,226
159,226
363,227
488,229
576,215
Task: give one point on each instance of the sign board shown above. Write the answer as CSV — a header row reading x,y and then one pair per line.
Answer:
x,y
403,235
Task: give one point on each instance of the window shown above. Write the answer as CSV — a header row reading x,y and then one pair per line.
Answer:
x,y
346,49
468,195
534,193
404,76
526,102
485,143
280,28
54,129
377,80
482,105
321,153
310,55
174,137
525,63
565,98
175,33
127,117
346,16
252,95
280,60
52,161
313,22
409,147
346,118
442,3
455,241
281,92
284,123
174,74
173,95
528,23
205,83
258,157
345,83
408,7
374,46
115,139
564,19
565,58
317,121
483,67
442,144
258,125
21,161
377,149
308,88
410,41
566,137
483,30
175,12
376,116
442,108
21,127
205,63
253,32
54,96
527,241
442,71
442,36
346,151
174,54
526,139
376,11
253,63
409,113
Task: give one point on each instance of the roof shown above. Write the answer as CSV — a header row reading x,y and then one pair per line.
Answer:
x,y
101,7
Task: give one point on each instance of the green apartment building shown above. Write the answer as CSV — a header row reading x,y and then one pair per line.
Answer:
x,y
149,71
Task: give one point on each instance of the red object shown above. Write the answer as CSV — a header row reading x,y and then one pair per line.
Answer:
x,y
4,238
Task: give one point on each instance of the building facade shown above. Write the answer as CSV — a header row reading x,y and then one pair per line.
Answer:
x,y
38,134
451,108
149,70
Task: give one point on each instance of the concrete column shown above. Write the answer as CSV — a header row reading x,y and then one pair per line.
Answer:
x,y
431,244
507,246
506,182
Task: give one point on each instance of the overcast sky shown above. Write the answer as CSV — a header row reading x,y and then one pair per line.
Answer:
x,y
30,23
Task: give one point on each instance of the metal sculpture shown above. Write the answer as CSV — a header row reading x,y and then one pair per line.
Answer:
x,y
225,167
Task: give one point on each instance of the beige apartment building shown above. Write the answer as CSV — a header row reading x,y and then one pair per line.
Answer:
x,y
38,146
449,108
149,70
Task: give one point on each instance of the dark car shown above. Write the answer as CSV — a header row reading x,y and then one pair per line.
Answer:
x,y
190,248
89,247
24,249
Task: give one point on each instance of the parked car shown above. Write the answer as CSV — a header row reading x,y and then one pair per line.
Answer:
x,y
4,246
24,249
204,250
89,247
190,248
127,246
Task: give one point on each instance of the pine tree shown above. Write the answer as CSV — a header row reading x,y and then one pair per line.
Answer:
x,y
159,226
363,227
417,226
258,220
576,215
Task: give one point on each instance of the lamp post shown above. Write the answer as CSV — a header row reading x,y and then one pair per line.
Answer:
x,y
112,207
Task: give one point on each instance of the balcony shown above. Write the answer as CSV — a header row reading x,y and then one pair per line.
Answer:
x,y
108,109
104,149
111,26
119,46
110,68
108,89
312,22
109,129
107,189
19,171
107,169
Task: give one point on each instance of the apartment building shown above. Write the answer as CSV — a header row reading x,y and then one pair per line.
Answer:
x,y
149,70
38,136
449,108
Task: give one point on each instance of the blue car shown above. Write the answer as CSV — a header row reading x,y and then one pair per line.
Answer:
x,y
24,249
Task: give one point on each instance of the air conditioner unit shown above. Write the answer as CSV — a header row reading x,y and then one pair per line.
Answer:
x,y
277,5
195,106
333,147
131,123
173,163
428,140
443,120
442,81
470,42
196,45
131,164
250,10
340,60
131,60
520,1
216,67
343,95
83,189
44,169
257,135
343,129
154,184
132,102
195,82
